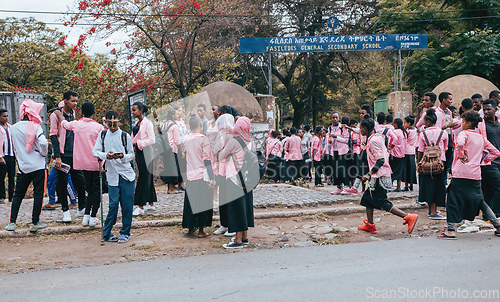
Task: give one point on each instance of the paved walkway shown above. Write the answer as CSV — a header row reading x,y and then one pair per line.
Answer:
x,y
265,196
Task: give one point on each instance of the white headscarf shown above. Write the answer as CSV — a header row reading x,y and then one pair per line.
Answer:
x,y
225,124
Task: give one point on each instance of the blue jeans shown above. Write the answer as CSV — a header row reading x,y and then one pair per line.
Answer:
x,y
52,185
122,194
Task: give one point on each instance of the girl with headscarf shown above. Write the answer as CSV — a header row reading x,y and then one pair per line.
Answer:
x,y
225,126
240,204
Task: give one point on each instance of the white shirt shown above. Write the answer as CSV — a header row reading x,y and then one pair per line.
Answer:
x,y
115,167
29,161
5,142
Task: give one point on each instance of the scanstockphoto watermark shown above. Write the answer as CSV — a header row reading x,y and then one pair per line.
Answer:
x,y
435,292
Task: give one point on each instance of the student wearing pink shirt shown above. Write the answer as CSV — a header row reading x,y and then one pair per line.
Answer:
x,y
143,136
338,142
86,132
379,177
240,206
428,102
353,155
397,153
171,173
432,188
465,197
386,131
292,147
274,150
316,151
410,170
198,208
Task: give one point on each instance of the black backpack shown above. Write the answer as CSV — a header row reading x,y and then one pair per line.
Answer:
x,y
253,167
386,139
124,143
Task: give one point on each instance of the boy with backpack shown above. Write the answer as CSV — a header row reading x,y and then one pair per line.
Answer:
x,y
115,147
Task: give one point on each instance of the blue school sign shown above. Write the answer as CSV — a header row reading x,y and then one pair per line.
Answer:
x,y
332,43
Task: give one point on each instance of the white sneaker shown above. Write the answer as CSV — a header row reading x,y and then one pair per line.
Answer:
x,y
94,221
80,213
86,219
220,230
66,216
11,227
138,211
227,234
149,207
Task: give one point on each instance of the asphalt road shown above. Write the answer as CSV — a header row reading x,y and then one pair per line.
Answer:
x,y
415,269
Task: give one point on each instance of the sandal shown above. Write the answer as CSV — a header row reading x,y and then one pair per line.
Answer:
x,y
111,238
49,207
319,186
177,191
444,236
203,235
123,238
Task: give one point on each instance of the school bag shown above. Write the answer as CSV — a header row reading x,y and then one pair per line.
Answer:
x,y
431,163
252,169
386,139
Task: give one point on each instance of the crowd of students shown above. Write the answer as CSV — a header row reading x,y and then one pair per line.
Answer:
x,y
342,155
207,158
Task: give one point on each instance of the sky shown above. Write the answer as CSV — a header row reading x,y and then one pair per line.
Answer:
x,y
93,45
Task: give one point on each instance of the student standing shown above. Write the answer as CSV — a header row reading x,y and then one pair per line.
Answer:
x,y
379,177
201,110
174,151
432,188
292,147
305,145
240,206
63,146
120,176
316,152
198,208
274,149
398,153
338,143
410,170
464,192
31,147
143,136
308,136
428,102
86,132
7,157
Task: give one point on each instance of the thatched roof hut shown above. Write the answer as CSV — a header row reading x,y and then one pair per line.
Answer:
x,y
464,86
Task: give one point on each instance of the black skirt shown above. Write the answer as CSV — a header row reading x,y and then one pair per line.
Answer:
x,y
432,189
239,210
339,165
144,189
397,166
464,199
410,173
222,183
198,205
170,173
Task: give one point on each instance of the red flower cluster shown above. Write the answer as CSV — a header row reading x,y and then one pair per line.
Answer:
x,y
23,89
62,42
80,65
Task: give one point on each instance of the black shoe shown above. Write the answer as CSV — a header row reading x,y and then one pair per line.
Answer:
x,y
244,241
233,245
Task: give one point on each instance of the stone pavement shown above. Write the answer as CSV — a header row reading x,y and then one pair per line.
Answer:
x,y
266,196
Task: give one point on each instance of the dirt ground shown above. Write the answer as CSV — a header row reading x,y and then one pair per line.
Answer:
x,y
42,252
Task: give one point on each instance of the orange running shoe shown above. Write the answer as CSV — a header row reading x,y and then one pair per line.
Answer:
x,y
411,221
368,227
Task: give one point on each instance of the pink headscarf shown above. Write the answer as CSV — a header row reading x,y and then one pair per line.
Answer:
x,y
242,128
32,110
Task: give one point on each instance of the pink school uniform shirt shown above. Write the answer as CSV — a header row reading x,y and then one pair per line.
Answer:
x,y
336,144
174,137
391,137
471,144
316,145
86,132
343,145
362,142
399,149
356,147
441,117
233,154
411,141
292,146
273,146
375,149
433,134
145,136
198,150
57,129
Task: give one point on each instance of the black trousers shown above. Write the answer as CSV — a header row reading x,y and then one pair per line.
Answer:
x,y
273,169
8,169
92,188
78,182
318,169
490,184
23,181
